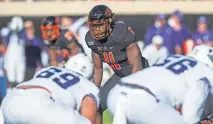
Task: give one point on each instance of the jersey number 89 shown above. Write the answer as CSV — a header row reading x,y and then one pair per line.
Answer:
x,y
176,64
64,80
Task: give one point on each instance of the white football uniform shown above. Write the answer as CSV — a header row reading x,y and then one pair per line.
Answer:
x,y
150,96
60,105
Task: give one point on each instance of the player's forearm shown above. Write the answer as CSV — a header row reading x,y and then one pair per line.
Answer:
x,y
89,109
134,57
97,76
136,64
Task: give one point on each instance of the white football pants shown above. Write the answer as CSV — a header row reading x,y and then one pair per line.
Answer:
x,y
34,106
137,106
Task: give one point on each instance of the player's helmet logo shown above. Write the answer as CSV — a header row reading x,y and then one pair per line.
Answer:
x,y
99,21
50,28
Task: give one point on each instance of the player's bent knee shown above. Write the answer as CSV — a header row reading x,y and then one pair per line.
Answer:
x,y
112,98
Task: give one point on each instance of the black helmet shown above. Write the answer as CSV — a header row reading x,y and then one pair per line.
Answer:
x,y
99,21
50,28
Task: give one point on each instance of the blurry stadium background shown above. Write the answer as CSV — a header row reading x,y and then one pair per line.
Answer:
x,y
162,27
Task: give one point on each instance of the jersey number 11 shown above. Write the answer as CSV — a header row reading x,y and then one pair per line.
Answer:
x,y
110,60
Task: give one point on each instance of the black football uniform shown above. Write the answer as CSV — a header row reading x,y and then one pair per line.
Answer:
x,y
113,52
61,45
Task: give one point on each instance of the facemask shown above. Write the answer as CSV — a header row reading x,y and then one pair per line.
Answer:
x,y
171,22
157,24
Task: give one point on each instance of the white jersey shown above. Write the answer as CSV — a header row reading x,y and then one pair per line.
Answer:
x,y
171,76
65,86
175,81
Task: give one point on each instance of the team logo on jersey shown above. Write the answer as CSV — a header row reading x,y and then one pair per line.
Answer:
x,y
91,43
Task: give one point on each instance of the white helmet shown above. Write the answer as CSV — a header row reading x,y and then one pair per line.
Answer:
x,y
204,54
81,64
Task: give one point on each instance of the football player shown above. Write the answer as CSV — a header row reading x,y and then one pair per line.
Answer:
x,y
112,42
55,96
61,42
179,82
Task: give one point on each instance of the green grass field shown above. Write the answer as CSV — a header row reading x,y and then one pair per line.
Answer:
x,y
107,118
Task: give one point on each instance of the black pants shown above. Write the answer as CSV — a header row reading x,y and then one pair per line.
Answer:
x,y
104,91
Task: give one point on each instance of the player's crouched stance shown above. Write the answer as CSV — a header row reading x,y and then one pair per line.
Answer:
x,y
178,81
55,96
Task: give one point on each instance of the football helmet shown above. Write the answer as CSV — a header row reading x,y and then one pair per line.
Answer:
x,y
81,64
99,21
50,28
204,54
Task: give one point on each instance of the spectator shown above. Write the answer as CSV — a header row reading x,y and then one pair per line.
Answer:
x,y
179,33
14,59
156,50
202,35
33,49
158,28
29,35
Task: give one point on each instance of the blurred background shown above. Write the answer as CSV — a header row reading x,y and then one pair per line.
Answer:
x,y
162,27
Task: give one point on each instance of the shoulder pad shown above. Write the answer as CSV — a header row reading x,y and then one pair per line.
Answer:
x,y
89,39
120,31
123,33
